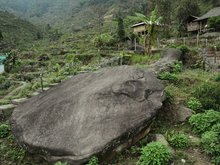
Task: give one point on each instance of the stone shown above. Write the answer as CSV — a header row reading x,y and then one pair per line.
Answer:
x,y
183,113
18,101
168,57
6,111
88,114
95,113
160,138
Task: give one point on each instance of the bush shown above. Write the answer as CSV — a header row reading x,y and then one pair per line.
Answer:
x,y
169,96
176,67
203,122
60,163
168,76
211,145
4,130
209,95
194,104
216,128
184,49
93,161
104,40
214,22
179,140
154,153
217,78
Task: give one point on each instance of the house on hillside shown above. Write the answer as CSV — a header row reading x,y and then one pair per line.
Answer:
x,y
200,24
141,28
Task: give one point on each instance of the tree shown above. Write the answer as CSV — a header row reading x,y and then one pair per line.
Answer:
x,y
184,10
151,25
165,11
1,36
121,29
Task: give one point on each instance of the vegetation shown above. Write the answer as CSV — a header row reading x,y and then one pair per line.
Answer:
x,y
154,153
4,130
60,44
203,122
93,161
178,140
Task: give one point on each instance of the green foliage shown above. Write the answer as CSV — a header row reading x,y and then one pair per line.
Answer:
x,y
214,22
154,153
178,140
211,145
217,78
140,59
93,161
169,96
4,130
194,104
60,163
216,128
176,67
184,49
121,29
184,10
104,40
168,76
5,84
203,122
209,95
10,152
14,29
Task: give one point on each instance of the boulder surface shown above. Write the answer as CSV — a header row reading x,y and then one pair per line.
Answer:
x,y
90,114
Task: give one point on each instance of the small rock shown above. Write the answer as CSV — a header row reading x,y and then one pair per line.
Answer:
x,y
160,138
183,161
6,110
183,113
54,84
18,101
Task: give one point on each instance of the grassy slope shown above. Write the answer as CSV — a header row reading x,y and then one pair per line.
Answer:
x,y
15,29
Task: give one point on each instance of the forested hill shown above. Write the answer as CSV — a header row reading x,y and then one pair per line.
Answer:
x,y
15,30
72,15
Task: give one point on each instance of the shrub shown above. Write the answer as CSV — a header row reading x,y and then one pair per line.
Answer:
x,y
93,161
60,163
104,40
203,122
211,145
176,67
217,78
214,22
4,130
169,96
194,104
154,153
168,76
179,140
216,128
184,49
209,95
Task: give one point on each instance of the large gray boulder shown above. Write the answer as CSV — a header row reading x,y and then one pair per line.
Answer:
x,y
90,114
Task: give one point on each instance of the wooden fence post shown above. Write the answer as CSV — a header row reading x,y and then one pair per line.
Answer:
x,y
197,40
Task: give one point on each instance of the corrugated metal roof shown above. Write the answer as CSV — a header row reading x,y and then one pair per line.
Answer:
x,y
145,23
139,24
212,13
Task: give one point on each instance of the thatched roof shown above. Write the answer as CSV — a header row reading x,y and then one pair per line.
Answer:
x,y
212,13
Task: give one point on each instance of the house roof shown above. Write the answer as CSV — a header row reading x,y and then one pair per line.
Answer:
x,y
212,13
144,23
139,24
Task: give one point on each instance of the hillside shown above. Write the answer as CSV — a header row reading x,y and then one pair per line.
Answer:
x,y
71,16
15,30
